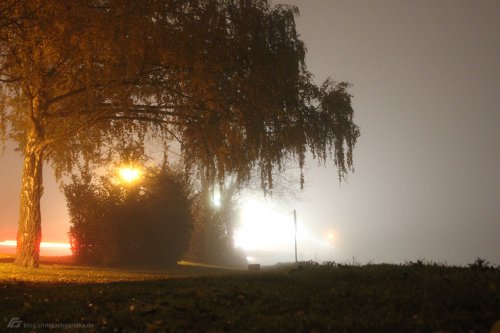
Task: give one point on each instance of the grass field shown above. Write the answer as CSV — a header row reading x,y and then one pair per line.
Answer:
x,y
332,298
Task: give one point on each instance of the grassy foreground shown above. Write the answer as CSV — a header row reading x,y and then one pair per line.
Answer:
x,y
372,298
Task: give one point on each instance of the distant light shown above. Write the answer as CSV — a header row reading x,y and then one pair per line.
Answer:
x,y
48,245
332,236
216,199
55,245
129,174
9,243
264,227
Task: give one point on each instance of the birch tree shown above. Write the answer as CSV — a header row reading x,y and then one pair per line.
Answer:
x,y
226,79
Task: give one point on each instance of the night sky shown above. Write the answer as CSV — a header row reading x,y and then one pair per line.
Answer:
x,y
426,79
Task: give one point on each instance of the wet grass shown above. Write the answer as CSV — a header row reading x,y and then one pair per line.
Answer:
x,y
333,298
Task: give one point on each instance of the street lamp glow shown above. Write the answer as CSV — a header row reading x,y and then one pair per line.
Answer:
x,y
332,236
216,200
129,174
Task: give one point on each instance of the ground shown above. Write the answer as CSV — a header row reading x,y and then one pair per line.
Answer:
x,y
334,298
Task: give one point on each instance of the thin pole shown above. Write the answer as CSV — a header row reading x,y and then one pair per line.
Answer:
x,y
295,221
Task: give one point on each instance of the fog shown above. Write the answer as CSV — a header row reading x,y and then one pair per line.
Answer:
x,y
426,185
425,78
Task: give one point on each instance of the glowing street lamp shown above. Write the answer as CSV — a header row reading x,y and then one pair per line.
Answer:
x,y
129,174
216,200
331,239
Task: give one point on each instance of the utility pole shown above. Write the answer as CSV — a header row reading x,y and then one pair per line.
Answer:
x,y
295,221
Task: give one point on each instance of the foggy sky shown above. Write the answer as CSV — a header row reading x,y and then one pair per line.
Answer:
x,y
425,78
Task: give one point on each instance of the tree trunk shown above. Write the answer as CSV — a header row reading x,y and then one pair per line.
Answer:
x,y
29,234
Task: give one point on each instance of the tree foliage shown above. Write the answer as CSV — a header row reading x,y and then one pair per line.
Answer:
x,y
225,78
146,223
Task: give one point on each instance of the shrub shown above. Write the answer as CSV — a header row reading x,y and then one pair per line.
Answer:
x,y
481,264
113,224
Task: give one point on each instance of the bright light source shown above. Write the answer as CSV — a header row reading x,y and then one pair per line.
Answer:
x,y
129,174
46,248
264,227
9,243
332,236
216,200
55,245
48,245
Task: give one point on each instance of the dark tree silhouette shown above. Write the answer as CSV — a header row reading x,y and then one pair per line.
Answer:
x,y
225,78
